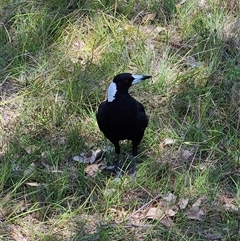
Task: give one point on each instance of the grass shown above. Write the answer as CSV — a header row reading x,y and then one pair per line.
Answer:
x,y
57,59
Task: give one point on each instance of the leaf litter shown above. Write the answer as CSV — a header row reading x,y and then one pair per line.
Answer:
x,y
196,212
88,159
165,208
95,162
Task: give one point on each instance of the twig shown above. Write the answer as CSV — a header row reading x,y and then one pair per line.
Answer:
x,y
146,204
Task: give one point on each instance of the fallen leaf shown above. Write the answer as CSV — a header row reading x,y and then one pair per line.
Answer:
x,y
196,214
183,202
168,142
226,199
166,221
149,17
170,198
230,207
93,169
198,202
137,216
18,236
170,213
155,213
158,213
89,159
79,158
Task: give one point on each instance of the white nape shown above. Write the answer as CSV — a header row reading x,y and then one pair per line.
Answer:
x,y
112,90
137,78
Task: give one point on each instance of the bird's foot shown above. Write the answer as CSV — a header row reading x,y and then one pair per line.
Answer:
x,y
132,171
134,176
111,170
119,171
115,170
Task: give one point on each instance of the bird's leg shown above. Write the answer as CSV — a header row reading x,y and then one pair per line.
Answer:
x,y
134,175
134,161
117,164
118,168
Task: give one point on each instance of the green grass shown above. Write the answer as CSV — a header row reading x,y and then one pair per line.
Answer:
x,y
57,59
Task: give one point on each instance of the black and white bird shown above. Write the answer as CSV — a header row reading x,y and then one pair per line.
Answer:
x,y
122,117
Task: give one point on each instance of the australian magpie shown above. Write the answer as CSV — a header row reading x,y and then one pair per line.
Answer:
x,y
122,117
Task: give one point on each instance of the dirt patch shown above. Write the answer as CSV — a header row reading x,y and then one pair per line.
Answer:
x,y
10,110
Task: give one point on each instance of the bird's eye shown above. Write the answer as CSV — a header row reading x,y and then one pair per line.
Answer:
x,y
127,81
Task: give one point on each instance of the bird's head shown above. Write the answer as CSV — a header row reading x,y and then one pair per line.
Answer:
x,y
122,82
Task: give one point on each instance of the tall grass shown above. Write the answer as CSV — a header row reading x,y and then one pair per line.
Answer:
x,y
57,59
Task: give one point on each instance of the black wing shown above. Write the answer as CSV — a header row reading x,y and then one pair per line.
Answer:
x,y
142,118
100,115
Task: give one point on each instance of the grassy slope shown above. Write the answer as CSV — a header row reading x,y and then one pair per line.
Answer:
x,y
57,60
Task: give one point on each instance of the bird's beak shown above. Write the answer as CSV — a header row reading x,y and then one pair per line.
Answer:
x,y
138,78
